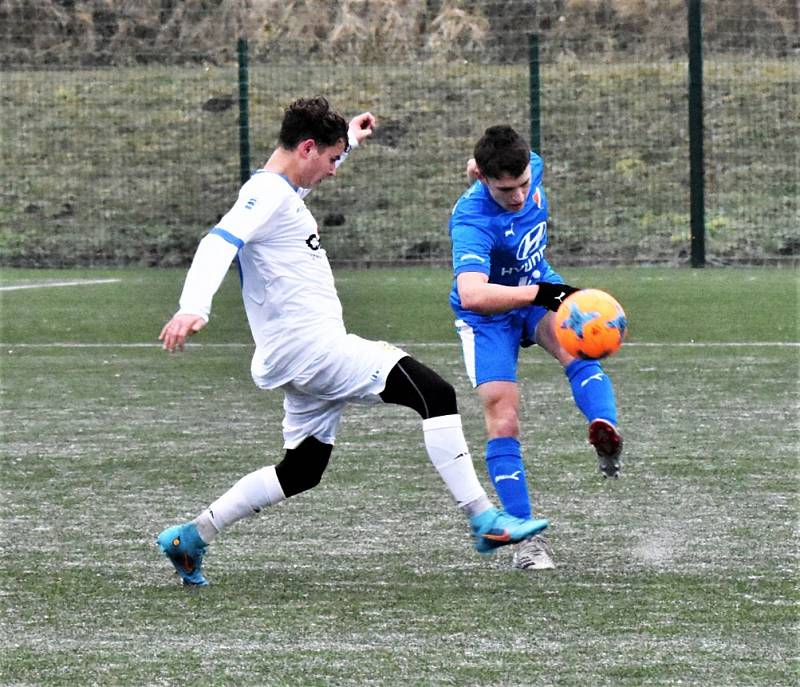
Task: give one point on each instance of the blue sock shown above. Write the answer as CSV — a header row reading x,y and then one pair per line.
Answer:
x,y
504,463
592,390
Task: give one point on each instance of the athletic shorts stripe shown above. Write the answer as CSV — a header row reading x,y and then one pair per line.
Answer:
x,y
467,336
491,345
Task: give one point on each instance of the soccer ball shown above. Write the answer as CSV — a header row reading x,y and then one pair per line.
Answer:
x,y
590,324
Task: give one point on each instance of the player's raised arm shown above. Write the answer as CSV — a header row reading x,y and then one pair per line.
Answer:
x,y
360,128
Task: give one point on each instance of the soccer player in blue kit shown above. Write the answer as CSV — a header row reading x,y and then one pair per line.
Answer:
x,y
504,296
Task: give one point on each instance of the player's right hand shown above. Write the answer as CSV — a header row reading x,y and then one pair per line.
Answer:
x,y
473,172
175,332
361,126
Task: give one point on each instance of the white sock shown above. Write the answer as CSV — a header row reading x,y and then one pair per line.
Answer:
x,y
244,499
448,451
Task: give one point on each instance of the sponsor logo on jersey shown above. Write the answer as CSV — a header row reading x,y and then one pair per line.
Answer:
x,y
530,250
250,204
313,242
529,244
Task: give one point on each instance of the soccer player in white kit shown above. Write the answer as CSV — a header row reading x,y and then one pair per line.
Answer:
x,y
303,348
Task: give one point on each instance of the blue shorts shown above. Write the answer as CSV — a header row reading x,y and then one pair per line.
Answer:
x,y
491,343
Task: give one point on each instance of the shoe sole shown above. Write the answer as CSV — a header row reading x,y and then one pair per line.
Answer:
x,y
548,566
606,439
607,442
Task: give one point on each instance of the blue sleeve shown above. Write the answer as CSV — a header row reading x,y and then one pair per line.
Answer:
x,y
537,169
472,248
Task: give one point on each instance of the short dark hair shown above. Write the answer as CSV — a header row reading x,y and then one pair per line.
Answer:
x,y
502,151
311,118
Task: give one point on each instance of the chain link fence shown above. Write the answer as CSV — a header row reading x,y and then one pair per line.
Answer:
x,y
119,123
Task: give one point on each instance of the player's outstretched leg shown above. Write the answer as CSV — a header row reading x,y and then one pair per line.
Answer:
x,y
301,469
607,441
184,547
494,528
594,395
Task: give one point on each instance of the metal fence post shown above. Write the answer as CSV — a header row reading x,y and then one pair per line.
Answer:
x,y
696,162
534,93
244,119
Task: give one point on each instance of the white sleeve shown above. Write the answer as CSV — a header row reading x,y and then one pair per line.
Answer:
x,y
209,267
256,204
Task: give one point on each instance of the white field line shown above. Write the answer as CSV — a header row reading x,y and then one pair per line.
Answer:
x,y
45,285
410,344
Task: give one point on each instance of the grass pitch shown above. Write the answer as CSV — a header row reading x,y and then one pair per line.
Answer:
x,y
683,572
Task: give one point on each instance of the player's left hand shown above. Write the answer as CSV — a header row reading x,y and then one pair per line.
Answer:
x,y
551,296
361,126
175,332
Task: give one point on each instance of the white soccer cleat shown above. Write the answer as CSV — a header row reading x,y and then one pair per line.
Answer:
x,y
534,554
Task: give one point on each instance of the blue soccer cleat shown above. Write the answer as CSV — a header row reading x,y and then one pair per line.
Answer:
x,y
495,528
184,548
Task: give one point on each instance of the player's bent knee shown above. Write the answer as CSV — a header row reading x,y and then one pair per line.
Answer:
x,y
502,424
443,401
504,429
301,468
416,386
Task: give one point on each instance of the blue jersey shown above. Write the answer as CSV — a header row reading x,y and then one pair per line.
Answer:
x,y
507,246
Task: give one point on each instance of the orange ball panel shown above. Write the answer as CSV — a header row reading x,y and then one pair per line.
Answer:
x,y
591,324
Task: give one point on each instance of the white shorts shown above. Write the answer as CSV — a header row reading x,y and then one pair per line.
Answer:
x,y
354,371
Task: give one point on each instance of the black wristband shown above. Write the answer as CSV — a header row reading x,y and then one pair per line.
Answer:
x,y
551,296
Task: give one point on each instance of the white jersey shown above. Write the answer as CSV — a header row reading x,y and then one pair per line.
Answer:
x,y
287,284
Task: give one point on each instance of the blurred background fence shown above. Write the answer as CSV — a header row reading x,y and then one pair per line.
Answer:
x,y
119,122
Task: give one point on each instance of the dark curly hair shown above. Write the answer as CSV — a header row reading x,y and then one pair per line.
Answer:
x,y
311,118
502,151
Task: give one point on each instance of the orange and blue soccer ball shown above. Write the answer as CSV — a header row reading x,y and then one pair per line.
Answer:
x,y
591,324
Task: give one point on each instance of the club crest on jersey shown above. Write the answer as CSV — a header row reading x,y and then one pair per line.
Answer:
x,y
313,242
